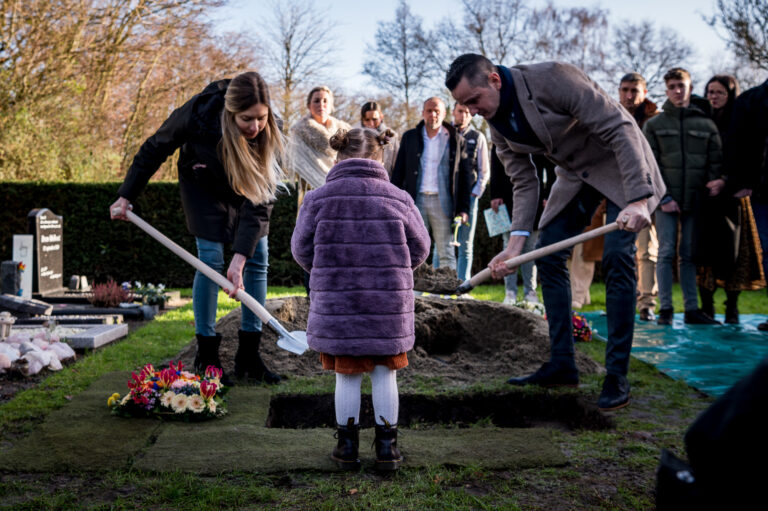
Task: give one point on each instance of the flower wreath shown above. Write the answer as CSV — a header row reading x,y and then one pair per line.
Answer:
x,y
172,393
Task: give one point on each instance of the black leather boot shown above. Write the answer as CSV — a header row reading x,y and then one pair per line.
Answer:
x,y
707,301
248,362
388,457
732,307
345,454
208,355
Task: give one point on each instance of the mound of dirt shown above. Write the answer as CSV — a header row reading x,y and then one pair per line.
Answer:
x,y
441,281
460,342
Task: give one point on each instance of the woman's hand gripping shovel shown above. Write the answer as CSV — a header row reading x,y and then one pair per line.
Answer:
x,y
514,262
295,342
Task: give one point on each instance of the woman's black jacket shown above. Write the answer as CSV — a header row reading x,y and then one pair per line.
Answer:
x,y
214,211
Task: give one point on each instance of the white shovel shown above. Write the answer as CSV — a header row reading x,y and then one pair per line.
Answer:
x,y
295,342
514,262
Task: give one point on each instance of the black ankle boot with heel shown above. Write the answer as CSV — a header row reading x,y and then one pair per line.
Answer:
x,y
707,301
208,355
345,454
388,457
248,362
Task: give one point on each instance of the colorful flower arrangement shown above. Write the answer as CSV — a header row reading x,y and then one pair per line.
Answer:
x,y
534,307
582,332
172,393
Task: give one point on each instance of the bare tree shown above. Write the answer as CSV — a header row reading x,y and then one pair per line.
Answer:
x,y
399,62
746,28
642,48
576,35
298,51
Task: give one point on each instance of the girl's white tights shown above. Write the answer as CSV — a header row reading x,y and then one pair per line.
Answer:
x,y
384,393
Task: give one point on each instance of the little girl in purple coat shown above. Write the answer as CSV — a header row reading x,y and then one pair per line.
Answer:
x,y
361,237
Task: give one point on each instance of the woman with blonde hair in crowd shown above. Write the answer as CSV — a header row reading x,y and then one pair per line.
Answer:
x,y
228,178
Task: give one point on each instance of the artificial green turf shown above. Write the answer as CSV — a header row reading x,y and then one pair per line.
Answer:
x,y
84,436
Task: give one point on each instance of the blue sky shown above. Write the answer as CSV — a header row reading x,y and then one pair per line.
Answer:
x,y
356,25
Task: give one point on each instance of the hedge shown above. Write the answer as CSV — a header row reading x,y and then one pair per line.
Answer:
x,y
102,249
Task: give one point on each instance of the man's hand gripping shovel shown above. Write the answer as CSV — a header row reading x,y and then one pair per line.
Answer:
x,y
295,342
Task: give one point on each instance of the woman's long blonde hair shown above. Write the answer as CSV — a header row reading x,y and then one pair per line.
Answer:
x,y
251,165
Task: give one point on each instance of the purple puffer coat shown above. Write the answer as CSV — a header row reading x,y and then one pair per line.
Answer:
x,y
360,237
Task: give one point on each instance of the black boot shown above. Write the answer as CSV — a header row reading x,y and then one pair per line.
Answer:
x,y
248,362
388,457
345,454
208,355
732,307
707,301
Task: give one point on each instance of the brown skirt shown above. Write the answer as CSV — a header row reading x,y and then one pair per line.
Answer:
x,y
354,365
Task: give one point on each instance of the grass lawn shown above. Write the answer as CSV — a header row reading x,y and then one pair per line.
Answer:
x,y
612,469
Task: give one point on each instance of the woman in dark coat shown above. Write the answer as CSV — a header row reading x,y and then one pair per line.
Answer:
x,y
361,237
228,178
727,247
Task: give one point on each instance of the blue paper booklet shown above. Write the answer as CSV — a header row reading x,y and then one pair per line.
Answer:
x,y
497,223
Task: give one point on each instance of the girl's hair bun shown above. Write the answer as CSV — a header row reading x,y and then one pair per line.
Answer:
x,y
340,140
385,136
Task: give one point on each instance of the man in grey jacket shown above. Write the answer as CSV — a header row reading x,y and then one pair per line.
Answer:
x,y
556,110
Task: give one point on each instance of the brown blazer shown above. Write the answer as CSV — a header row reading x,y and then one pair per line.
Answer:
x,y
588,134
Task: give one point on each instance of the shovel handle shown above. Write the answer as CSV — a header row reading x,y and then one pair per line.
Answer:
x,y
203,268
514,262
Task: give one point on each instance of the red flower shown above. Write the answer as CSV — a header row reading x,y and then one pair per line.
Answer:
x,y
167,377
208,389
213,372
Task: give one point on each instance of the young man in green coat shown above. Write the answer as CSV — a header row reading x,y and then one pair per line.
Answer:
x,y
687,147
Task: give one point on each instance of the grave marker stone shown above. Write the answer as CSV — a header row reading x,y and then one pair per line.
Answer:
x,y
47,229
23,250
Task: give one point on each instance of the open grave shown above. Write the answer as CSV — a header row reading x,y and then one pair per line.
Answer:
x,y
460,343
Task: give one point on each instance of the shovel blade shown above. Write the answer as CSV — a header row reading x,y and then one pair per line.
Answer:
x,y
295,342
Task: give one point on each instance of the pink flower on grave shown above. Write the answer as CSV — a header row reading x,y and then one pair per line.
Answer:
x,y
208,389
213,372
176,368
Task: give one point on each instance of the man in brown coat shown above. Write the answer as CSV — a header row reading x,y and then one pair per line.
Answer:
x,y
555,109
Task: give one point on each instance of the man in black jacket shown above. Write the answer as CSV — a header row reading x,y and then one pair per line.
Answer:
x,y
429,167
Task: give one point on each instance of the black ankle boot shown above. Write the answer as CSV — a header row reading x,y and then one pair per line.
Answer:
x,y
388,457
248,362
707,301
732,307
208,355
345,454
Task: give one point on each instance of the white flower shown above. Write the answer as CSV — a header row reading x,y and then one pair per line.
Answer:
x,y
212,405
179,403
167,399
125,399
196,403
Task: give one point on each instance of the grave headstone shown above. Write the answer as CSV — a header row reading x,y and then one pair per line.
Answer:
x,y
47,229
10,278
23,251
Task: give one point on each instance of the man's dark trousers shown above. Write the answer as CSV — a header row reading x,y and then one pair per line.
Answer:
x,y
618,269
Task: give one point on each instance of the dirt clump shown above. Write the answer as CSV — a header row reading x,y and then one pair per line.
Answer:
x,y
441,281
458,342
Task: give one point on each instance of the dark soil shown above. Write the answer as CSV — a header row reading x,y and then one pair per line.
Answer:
x,y
519,410
458,342
441,281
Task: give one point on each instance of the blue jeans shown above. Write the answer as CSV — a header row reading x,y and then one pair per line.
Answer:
x,y
620,283
467,240
205,292
760,210
528,270
440,227
666,230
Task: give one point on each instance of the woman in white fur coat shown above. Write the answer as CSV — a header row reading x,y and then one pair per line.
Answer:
x,y
310,155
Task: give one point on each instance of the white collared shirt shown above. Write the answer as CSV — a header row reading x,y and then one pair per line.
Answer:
x,y
430,158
